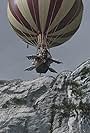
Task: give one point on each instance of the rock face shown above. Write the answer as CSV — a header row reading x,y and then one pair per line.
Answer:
x,y
48,104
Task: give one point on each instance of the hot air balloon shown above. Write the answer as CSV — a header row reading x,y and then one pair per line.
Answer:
x,y
44,24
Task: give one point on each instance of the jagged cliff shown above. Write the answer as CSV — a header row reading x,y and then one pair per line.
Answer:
x,y
48,104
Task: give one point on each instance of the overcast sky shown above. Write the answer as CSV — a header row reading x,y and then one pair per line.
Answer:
x,y
13,50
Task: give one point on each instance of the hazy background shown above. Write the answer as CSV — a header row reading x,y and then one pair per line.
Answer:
x,y
13,50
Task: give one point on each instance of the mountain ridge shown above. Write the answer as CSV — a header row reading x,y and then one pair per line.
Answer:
x,y
47,104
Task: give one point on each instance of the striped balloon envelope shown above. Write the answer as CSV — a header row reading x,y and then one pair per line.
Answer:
x,y
55,20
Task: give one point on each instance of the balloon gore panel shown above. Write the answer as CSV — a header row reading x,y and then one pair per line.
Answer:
x,y
56,20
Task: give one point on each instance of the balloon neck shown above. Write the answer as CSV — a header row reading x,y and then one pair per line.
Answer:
x,y
42,41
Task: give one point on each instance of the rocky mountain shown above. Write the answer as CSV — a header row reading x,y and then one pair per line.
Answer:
x,y
48,104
